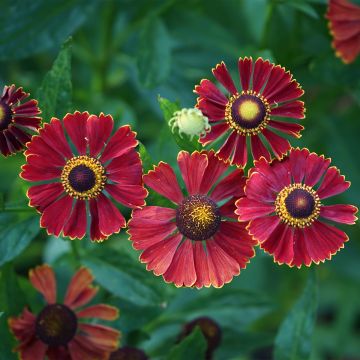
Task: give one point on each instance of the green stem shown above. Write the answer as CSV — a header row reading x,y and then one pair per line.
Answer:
x,y
75,250
27,209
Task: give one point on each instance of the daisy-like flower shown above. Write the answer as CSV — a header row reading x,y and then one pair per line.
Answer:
x,y
58,331
284,204
128,353
196,242
75,179
344,25
268,93
17,119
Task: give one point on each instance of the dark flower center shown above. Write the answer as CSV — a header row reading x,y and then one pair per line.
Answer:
x,y
248,111
300,203
128,353
198,217
82,178
56,325
5,115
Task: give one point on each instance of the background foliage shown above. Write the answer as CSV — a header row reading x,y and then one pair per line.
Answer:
x,y
122,55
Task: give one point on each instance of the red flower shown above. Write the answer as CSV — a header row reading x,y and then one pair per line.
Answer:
x,y
344,24
101,165
267,91
284,206
196,242
56,332
16,119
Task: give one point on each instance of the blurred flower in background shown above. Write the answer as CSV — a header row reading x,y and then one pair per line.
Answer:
x,y
57,331
128,353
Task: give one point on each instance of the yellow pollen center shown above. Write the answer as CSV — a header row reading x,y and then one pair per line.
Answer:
x,y
202,215
248,110
2,114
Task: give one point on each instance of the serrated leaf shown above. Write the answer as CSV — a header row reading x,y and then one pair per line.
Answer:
x,y
33,26
193,347
54,95
293,341
154,53
169,108
15,237
121,284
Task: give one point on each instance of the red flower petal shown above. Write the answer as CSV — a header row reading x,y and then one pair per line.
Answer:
x,y
262,227
315,167
286,127
42,196
222,75
43,279
297,159
38,169
292,109
120,143
228,209
95,233
215,132
333,184
163,180
19,134
104,337
56,214
99,311
214,170
23,326
224,153
231,185
81,348
257,188
192,169
99,129
240,155
222,267
211,110
110,218
301,255
12,143
129,195
278,144
181,271
258,149
4,149
77,223
201,266
278,79
159,256
53,135
340,213
34,349
31,123
75,125
291,91
209,91
262,70
245,71
248,209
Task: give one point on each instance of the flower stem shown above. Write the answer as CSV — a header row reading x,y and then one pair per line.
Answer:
x,y
75,250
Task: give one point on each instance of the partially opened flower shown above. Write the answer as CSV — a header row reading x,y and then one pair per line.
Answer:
x,y
58,331
344,24
284,204
128,353
83,171
268,93
196,241
18,119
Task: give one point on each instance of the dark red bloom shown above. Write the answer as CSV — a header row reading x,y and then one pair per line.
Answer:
x,y
196,242
128,353
100,166
56,331
17,119
344,25
284,204
211,331
268,93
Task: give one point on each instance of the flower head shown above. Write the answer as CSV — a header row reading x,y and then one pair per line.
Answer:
x,y
58,330
344,25
196,241
17,119
190,122
128,353
268,93
284,204
100,166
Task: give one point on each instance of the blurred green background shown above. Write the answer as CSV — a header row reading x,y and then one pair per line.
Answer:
x,y
122,55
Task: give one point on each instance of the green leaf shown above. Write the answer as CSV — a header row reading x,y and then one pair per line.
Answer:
x,y
121,284
293,341
15,237
304,7
193,347
54,95
168,108
154,53
145,158
34,26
